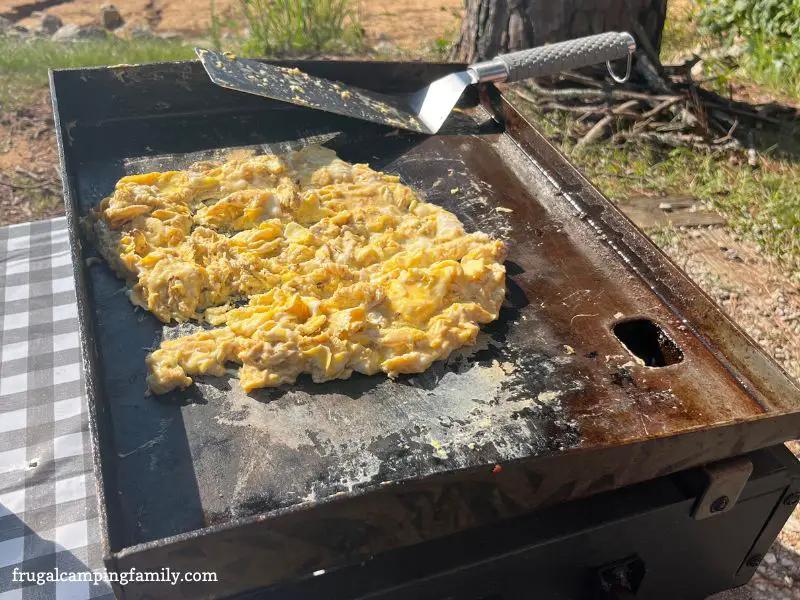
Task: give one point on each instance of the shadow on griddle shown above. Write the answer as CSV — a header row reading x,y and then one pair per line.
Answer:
x,y
193,395
462,124
145,435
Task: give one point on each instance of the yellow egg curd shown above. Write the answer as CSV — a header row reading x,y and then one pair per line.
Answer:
x,y
303,263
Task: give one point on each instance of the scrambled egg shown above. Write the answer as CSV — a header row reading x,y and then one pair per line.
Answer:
x,y
302,264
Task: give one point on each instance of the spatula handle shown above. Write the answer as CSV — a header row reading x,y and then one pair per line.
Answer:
x,y
555,58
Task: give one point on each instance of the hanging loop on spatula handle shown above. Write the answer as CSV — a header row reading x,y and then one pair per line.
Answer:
x,y
555,58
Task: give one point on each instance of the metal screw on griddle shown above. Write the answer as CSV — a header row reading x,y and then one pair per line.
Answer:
x,y
719,504
792,499
754,560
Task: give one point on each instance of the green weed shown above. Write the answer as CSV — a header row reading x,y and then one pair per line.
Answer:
x,y
767,56
286,27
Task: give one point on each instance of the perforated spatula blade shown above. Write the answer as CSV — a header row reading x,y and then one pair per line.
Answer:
x,y
296,87
424,111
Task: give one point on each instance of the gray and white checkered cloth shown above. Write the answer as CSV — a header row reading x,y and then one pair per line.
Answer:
x,y
48,508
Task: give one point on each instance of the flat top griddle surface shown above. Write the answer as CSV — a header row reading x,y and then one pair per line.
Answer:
x,y
548,377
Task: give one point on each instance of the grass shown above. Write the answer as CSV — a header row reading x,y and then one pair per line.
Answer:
x,y
763,204
760,64
275,26
24,65
679,35
757,65
292,27
43,202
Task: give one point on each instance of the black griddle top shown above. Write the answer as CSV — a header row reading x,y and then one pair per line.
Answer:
x,y
548,393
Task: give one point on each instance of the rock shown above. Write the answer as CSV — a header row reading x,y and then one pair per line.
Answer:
x,y
67,33
92,32
140,32
9,30
51,24
698,69
735,50
111,17
752,157
71,32
385,48
770,558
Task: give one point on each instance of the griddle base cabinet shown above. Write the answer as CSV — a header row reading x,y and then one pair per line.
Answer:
x,y
637,542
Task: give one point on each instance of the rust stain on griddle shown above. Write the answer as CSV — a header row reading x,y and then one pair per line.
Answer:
x,y
548,376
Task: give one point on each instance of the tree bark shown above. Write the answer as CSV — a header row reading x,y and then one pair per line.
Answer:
x,y
492,27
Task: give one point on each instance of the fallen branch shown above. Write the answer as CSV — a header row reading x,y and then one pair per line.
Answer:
x,y
744,113
662,106
699,110
28,174
752,157
610,94
590,110
599,128
729,135
595,133
674,140
578,78
669,127
683,69
647,47
526,96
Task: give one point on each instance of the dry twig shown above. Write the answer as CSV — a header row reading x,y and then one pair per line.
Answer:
x,y
587,94
665,107
599,129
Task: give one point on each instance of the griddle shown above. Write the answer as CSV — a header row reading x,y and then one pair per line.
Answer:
x,y
549,405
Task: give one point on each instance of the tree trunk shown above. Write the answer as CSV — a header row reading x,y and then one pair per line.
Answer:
x,y
492,27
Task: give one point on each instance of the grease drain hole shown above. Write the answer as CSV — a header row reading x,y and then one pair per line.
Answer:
x,y
646,340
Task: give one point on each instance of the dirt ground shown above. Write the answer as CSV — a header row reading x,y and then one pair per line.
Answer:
x,y
755,291
30,184
405,23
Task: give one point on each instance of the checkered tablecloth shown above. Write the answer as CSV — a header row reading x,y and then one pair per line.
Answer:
x,y
48,509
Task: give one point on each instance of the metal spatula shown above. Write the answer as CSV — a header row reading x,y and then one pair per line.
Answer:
x,y
426,110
